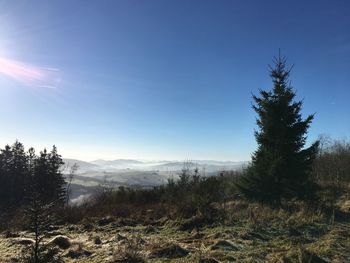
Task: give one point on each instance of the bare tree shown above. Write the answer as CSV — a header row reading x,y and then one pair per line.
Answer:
x,y
332,168
72,172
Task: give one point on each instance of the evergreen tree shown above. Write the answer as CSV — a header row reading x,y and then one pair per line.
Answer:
x,y
19,172
5,177
13,173
38,217
58,181
47,178
22,173
281,165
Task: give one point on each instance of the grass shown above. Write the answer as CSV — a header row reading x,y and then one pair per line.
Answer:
x,y
250,233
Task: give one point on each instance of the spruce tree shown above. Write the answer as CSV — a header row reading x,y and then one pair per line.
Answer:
x,y
22,173
47,178
13,174
38,217
281,165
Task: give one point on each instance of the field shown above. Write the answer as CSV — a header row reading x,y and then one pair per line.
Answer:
x,y
251,233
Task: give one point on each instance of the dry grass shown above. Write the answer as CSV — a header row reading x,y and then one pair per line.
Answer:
x,y
293,233
129,249
257,214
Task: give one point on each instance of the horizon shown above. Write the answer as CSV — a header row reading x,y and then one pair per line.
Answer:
x,y
193,161
162,80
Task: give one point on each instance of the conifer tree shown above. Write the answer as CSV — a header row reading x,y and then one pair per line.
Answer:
x,y
281,165
13,173
5,175
47,177
38,217
22,173
19,171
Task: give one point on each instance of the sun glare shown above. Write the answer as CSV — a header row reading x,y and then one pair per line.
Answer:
x,y
28,74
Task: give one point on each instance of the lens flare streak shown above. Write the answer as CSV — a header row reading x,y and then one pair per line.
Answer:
x,y
28,74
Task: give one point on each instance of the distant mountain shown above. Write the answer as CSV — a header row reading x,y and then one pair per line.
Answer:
x,y
116,166
116,162
82,165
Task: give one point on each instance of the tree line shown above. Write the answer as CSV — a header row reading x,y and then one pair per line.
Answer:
x,y
25,173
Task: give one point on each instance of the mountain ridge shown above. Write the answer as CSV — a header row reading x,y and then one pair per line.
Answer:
x,y
133,164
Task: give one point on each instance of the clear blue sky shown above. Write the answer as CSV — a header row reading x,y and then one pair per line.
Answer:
x,y
164,79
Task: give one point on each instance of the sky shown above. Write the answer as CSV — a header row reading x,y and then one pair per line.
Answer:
x,y
165,80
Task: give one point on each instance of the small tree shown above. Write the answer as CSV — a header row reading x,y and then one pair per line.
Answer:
x,y
281,165
39,217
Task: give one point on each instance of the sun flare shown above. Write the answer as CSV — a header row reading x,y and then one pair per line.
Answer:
x,y
28,74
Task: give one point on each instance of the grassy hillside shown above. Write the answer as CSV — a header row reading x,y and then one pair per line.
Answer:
x,y
251,233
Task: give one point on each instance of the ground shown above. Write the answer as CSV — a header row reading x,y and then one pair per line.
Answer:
x,y
119,240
